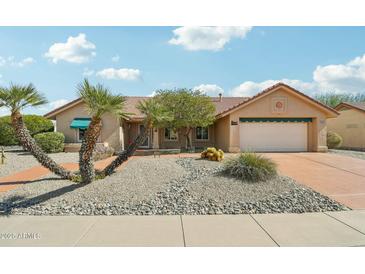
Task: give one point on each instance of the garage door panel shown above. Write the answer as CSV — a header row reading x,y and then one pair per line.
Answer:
x,y
273,136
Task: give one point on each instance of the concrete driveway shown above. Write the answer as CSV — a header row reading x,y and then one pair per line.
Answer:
x,y
340,177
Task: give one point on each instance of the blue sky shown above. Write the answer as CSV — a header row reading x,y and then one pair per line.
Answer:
x,y
238,61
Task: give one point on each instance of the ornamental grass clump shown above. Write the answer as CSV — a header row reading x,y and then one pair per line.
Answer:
x,y
251,167
213,154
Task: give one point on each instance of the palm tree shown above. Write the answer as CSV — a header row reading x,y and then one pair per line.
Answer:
x,y
155,116
99,101
16,98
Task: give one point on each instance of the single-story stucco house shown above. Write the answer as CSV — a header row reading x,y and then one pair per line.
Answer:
x,y
350,125
279,118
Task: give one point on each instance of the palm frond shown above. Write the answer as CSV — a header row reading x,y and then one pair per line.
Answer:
x,y
17,97
99,100
155,112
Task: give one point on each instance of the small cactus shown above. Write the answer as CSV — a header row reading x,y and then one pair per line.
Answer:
x,y
213,154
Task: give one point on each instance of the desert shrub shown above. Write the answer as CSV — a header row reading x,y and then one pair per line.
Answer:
x,y
102,152
7,134
35,124
212,154
50,142
334,140
251,167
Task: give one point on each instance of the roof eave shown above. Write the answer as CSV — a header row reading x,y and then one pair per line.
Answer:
x,y
349,106
53,113
330,111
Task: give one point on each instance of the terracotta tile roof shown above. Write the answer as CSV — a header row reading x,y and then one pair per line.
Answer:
x,y
227,103
132,101
131,106
222,107
357,105
272,88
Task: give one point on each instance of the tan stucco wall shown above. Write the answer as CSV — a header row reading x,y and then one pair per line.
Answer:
x,y
296,107
350,124
222,133
109,132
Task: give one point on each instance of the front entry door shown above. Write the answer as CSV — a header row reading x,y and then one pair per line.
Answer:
x,y
146,144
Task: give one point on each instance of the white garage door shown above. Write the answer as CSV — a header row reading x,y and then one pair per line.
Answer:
x,y
268,136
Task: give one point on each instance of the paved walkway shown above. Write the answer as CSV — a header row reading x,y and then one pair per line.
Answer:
x,y
340,177
28,175
346,228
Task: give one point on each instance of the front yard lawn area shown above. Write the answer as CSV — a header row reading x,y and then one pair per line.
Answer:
x,y
155,186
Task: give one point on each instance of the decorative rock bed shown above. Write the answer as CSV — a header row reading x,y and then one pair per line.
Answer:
x,y
170,186
17,160
350,153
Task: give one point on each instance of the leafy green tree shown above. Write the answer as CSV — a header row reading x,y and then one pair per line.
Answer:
x,y
34,123
189,109
332,99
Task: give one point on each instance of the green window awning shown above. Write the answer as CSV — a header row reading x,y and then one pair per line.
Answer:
x,y
82,123
276,119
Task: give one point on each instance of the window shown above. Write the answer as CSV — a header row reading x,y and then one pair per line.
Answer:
x,y
202,133
81,134
170,134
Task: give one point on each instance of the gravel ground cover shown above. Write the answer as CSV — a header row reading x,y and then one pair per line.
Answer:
x,y
351,153
232,190
140,180
148,186
18,160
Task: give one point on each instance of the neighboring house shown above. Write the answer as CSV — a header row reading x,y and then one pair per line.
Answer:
x,y
350,125
279,118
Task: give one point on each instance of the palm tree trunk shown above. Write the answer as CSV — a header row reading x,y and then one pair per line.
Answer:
x,y
125,154
87,170
29,144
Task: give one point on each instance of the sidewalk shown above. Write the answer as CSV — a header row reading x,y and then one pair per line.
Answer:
x,y
346,228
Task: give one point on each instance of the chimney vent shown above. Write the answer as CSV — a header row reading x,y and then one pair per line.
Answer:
x,y
220,97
